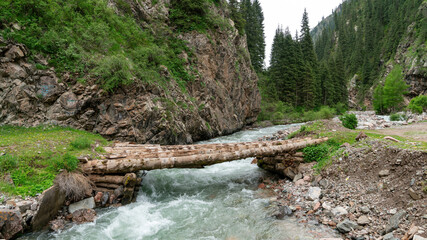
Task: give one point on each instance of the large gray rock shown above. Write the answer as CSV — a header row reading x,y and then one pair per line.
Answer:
x,y
314,193
394,221
346,226
51,201
10,223
88,203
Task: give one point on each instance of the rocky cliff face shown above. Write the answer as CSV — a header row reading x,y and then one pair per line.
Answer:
x,y
222,99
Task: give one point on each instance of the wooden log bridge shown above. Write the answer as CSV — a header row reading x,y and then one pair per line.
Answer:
x,y
125,158
115,175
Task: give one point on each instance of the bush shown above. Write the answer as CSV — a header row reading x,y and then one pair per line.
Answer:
x,y
326,112
81,143
418,104
398,117
318,153
8,162
114,71
349,121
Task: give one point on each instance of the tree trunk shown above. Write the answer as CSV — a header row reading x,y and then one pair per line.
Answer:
x,y
125,158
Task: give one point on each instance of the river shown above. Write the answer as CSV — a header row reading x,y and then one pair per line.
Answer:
x,y
217,202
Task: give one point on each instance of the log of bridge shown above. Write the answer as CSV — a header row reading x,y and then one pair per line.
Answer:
x,y
125,158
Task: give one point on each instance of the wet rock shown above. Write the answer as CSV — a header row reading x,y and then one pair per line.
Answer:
x,y
119,191
314,193
394,221
384,173
88,203
105,198
338,211
83,216
57,225
346,226
281,212
363,220
10,223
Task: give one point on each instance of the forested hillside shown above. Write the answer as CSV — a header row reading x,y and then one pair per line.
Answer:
x,y
370,39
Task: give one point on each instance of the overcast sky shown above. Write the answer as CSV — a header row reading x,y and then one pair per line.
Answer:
x,y
288,13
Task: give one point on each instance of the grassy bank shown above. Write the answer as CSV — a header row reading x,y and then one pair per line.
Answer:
x,y
32,157
323,153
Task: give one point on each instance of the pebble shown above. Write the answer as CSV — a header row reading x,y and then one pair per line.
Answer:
x,y
384,173
339,211
314,193
346,226
363,220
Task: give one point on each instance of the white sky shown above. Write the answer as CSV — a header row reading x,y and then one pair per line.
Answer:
x,y
288,13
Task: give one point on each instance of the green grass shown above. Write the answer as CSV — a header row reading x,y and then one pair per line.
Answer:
x,y
33,156
324,153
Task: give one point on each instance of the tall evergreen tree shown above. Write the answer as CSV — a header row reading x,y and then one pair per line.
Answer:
x,y
311,84
254,28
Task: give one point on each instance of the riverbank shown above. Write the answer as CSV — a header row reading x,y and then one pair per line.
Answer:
x,y
373,188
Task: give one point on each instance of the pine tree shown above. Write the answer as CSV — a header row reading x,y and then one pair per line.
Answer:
x,y
311,84
254,28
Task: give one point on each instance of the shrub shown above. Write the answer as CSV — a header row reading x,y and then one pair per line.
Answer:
x,y
81,143
349,121
8,162
340,108
398,117
318,153
418,104
326,112
114,71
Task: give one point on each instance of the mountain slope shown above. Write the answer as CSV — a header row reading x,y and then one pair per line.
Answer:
x,y
372,37
144,71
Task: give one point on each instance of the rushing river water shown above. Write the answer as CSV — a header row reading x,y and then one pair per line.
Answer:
x,y
217,202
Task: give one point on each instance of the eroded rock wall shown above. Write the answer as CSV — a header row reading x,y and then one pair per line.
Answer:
x,y
222,99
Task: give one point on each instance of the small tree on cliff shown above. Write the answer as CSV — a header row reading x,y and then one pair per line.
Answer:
x,y
390,97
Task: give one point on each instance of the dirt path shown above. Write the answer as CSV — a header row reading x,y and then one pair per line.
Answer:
x,y
416,131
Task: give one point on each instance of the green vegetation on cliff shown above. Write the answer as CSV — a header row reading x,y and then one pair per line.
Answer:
x,y
32,157
97,41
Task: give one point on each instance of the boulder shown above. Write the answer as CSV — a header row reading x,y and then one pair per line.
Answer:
x,y
282,211
88,203
10,223
51,201
346,226
24,206
361,136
